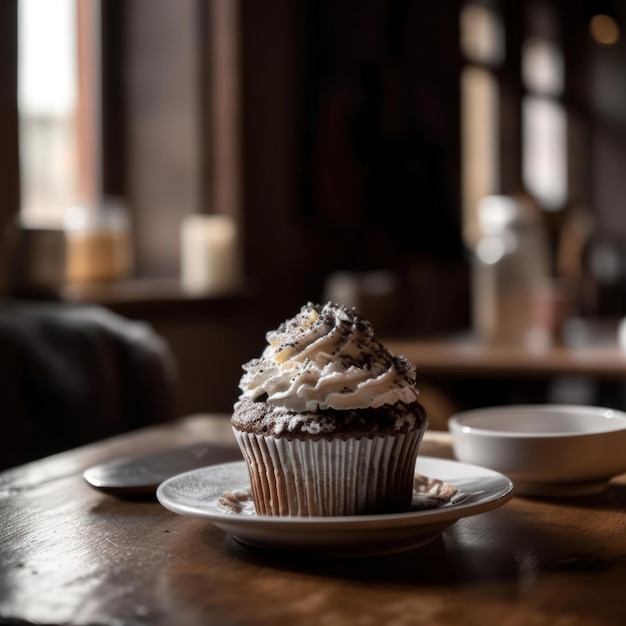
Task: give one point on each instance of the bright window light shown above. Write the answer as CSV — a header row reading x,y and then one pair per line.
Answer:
x,y
542,66
480,137
47,99
482,34
545,151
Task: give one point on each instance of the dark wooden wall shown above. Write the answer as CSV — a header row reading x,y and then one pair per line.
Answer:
x,y
9,156
349,145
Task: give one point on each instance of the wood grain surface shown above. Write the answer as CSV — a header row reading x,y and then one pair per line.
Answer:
x,y
72,555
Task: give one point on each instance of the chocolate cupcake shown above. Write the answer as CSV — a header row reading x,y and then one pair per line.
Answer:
x,y
328,419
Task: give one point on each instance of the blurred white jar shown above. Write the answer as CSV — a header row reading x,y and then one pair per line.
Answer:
x,y
510,266
209,251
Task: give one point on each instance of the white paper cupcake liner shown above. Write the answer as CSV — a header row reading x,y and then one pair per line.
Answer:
x,y
331,478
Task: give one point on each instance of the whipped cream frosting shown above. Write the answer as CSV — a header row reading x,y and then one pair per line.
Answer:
x,y
327,357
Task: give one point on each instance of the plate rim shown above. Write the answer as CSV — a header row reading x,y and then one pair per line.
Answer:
x,y
453,511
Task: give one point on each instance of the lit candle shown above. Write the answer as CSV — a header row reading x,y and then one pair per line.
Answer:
x,y
209,254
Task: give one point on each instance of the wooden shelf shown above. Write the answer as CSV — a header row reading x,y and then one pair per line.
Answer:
x,y
158,296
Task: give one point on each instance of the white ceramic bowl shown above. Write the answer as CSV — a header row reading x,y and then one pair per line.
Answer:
x,y
545,450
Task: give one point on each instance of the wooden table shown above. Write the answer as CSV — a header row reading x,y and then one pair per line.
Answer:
x,y
457,373
463,356
72,555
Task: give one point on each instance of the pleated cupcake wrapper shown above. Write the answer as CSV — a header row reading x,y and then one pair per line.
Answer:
x,y
331,478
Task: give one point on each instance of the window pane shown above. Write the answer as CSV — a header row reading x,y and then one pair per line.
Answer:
x,y
482,34
544,151
542,66
47,105
480,140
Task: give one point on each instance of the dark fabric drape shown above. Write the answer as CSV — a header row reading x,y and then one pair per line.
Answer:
x,y
72,374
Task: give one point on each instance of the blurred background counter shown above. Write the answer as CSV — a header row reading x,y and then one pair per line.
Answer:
x,y
461,371
449,168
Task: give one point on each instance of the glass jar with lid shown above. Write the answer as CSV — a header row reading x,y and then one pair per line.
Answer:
x,y
98,241
510,265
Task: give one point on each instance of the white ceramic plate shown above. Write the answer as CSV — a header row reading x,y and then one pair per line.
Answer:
x,y
197,493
